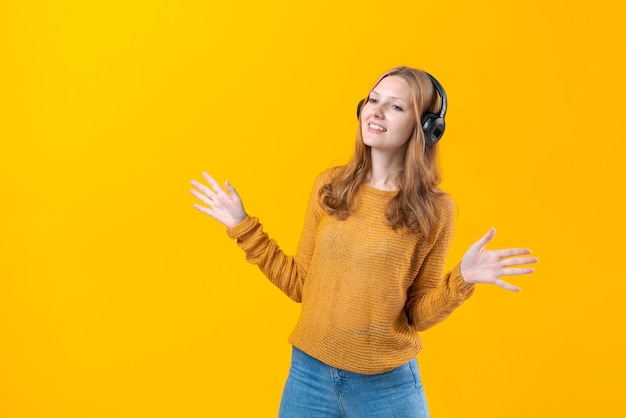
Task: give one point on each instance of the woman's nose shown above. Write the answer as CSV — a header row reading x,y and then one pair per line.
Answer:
x,y
376,110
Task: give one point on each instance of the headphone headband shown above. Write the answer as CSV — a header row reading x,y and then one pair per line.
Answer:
x,y
433,124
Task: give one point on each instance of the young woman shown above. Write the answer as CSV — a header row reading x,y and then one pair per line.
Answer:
x,y
369,266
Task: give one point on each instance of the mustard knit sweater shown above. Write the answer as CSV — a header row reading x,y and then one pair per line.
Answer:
x,y
365,289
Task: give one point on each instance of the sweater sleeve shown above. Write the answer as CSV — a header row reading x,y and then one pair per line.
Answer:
x,y
433,295
285,271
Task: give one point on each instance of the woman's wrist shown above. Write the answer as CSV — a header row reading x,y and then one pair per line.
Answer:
x,y
466,274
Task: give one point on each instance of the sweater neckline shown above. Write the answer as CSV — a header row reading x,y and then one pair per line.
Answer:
x,y
379,192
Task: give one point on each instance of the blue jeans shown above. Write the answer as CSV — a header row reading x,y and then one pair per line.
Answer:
x,y
315,389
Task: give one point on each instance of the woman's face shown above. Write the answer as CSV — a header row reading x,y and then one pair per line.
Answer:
x,y
387,119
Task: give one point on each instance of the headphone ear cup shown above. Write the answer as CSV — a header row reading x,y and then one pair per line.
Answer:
x,y
433,127
359,107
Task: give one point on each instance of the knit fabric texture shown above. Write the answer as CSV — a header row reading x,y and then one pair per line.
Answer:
x,y
366,289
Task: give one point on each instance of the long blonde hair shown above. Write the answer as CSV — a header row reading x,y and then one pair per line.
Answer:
x,y
414,206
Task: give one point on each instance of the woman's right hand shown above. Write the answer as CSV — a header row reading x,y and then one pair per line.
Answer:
x,y
225,208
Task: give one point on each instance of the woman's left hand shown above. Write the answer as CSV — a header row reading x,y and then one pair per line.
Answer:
x,y
487,266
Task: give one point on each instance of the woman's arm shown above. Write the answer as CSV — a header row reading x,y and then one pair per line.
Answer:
x,y
434,296
286,272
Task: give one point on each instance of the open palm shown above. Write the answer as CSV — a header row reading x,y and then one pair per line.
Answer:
x,y
487,266
226,208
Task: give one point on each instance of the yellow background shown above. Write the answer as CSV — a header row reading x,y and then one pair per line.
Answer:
x,y
118,299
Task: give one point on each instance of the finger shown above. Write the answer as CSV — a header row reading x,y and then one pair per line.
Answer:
x,y
510,252
203,209
516,261
507,286
207,191
517,271
231,189
202,197
482,243
214,184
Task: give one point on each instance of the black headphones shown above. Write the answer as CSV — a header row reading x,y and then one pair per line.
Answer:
x,y
433,124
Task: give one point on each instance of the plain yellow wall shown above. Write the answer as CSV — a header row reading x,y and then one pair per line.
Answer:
x,y
118,299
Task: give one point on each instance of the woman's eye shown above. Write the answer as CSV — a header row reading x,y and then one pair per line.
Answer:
x,y
371,100
395,107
